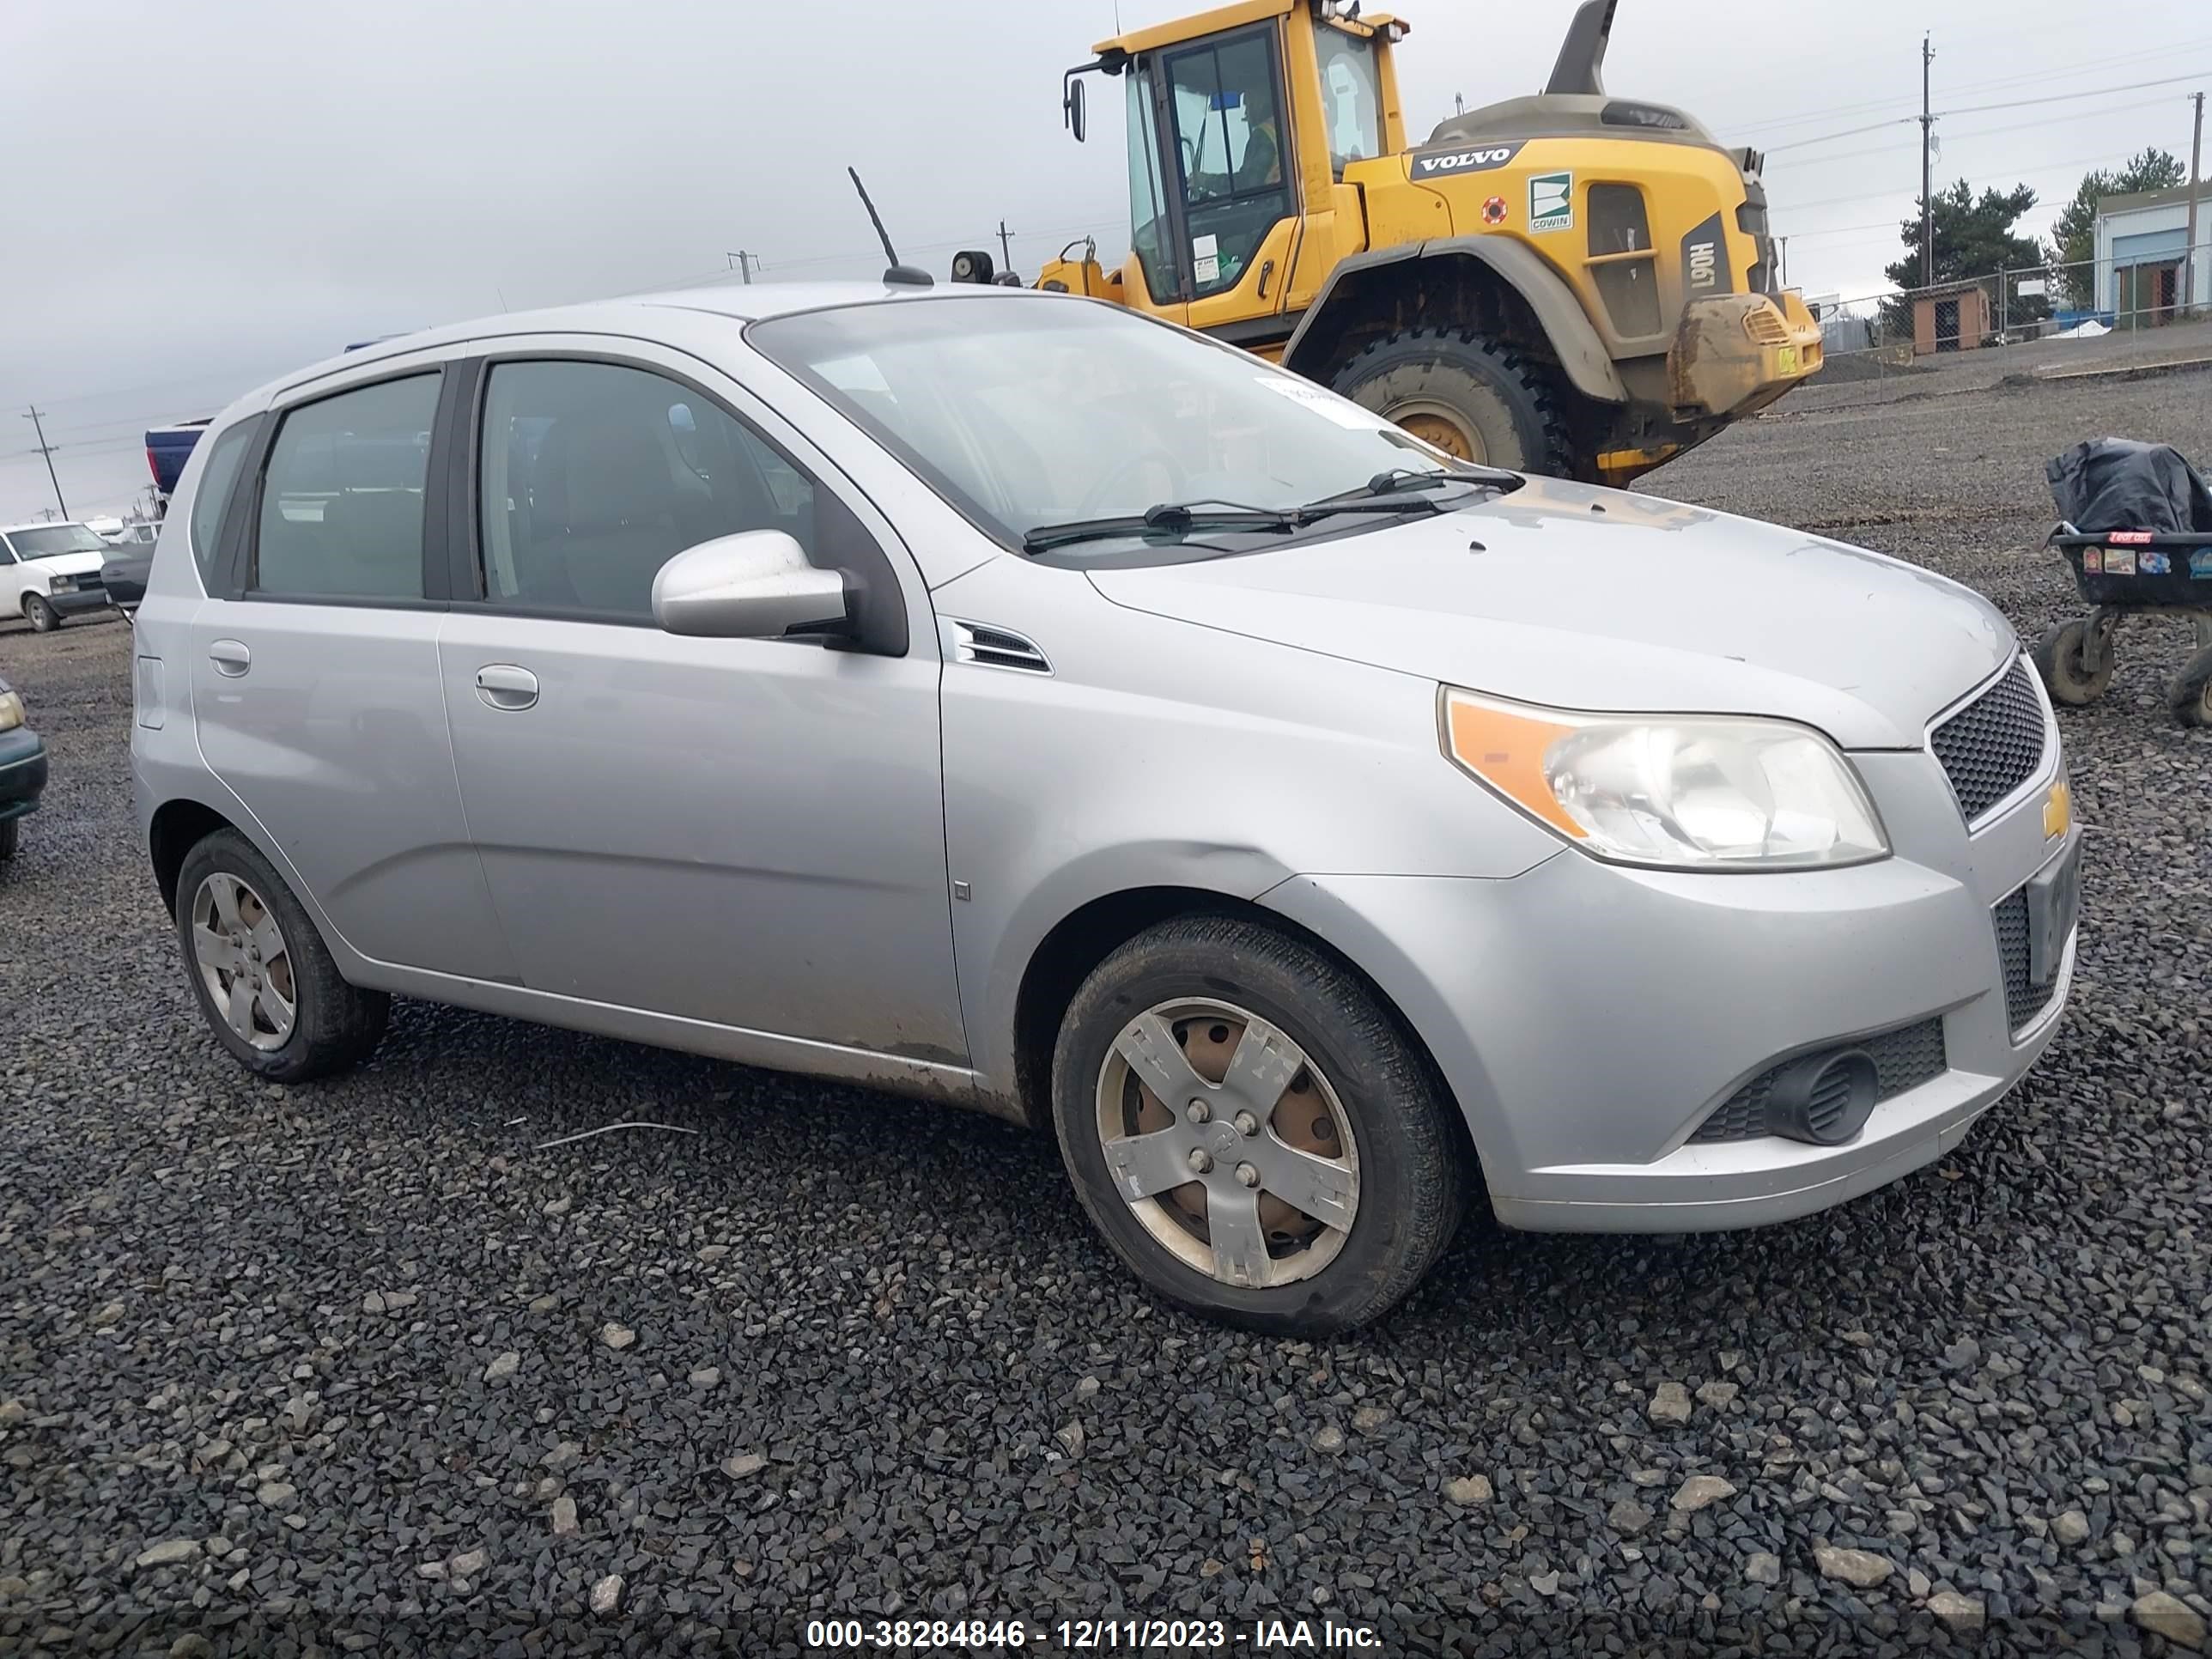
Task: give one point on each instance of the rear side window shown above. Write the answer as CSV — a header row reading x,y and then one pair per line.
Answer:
x,y
214,494
342,496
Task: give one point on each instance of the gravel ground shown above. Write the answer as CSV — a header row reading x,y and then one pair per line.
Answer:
x,y
358,1366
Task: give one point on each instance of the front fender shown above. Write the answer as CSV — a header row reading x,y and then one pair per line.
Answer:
x,y
1581,354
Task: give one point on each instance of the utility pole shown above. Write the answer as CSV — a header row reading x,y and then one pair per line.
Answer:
x,y
1927,170
745,264
47,450
1005,245
1784,242
2195,188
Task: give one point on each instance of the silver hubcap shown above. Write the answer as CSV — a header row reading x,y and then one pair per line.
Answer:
x,y
243,960
1228,1144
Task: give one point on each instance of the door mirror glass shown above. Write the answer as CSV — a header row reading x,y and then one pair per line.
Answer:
x,y
756,585
1073,112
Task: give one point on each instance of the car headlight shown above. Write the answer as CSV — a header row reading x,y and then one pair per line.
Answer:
x,y
1678,791
11,711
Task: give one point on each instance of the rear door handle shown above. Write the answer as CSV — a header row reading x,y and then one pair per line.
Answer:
x,y
502,685
230,657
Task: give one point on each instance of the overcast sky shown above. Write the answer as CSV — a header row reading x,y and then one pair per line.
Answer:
x,y
201,195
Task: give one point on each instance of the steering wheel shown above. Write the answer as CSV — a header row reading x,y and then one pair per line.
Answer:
x,y
1102,496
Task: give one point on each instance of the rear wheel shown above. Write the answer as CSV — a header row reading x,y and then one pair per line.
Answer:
x,y
2190,696
1468,396
1251,1132
2060,658
264,978
44,618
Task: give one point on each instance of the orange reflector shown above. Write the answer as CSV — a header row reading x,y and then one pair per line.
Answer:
x,y
1506,751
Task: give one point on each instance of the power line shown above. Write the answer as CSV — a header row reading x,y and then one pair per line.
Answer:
x,y
1983,109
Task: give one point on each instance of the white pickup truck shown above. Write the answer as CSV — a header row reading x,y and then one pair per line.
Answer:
x,y
48,571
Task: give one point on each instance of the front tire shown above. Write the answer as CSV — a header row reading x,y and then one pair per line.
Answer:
x,y
1468,396
1323,1176
40,613
2060,658
264,978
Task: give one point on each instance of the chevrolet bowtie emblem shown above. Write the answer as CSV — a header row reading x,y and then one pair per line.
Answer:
x,y
2057,811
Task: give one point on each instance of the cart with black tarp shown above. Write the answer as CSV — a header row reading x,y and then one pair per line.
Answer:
x,y
2135,524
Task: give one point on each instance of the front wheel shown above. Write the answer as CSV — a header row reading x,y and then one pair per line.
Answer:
x,y
1251,1132
1468,396
2061,658
43,617
260,971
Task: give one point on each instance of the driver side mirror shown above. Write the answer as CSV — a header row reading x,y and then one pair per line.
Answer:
x,y
1072,110
756,585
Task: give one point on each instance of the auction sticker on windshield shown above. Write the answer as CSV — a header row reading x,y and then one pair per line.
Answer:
x,y
1346,415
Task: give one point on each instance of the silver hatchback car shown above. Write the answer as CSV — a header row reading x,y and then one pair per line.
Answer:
x,y
1003,697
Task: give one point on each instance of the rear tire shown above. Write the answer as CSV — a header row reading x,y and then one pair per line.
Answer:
x,y
2059,658
1339,1057
2190,696
1469,396
40,613
333,1025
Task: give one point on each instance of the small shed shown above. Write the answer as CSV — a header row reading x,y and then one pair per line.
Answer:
x,y
1955,316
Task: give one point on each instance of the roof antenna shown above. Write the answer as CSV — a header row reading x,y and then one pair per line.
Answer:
x,y
910,276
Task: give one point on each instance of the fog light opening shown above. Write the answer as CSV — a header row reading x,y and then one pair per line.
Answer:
x,y
1823,1098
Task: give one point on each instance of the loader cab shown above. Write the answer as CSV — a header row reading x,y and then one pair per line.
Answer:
x,y
1240,123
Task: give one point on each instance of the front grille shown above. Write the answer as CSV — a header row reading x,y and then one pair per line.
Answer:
x,y
2023,1001
1903,1059
1766,327
1994,744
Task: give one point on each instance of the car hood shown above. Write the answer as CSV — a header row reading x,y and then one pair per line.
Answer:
x,y
68,564
1589,598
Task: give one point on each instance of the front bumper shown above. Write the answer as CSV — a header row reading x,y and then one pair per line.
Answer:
x,y
1589,1018
1736,353
22,772
72,601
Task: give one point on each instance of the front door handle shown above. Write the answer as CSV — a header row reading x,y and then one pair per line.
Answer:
x,y
502,685
230,657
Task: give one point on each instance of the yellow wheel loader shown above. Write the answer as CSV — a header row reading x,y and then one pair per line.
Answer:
x,y
1569,283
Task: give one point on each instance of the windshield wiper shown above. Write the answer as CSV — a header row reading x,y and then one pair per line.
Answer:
x,y
1405,480
1167,518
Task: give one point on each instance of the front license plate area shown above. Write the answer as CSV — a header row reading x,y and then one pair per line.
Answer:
x,y
2054,904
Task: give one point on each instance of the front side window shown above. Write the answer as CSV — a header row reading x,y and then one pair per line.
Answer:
x,y
1229,134
1151,233
592,476
1025,412
1351,97
52,541
214,494
342,496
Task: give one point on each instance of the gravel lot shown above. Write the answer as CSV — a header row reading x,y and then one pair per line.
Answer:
x,y
359,1366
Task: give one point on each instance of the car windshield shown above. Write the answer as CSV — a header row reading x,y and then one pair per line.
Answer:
x,y
1026,412
52,541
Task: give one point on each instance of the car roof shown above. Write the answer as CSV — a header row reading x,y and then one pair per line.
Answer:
x,y
741,303
46,524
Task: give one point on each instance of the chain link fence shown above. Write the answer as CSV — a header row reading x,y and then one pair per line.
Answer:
x,y
1897,331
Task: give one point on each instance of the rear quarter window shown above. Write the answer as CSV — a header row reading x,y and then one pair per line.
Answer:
x,y
213,494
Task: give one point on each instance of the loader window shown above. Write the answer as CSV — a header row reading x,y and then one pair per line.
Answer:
x,y
1152,232
1229,143
1351,97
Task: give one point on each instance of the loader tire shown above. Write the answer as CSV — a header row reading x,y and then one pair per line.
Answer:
x,y
1468,396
